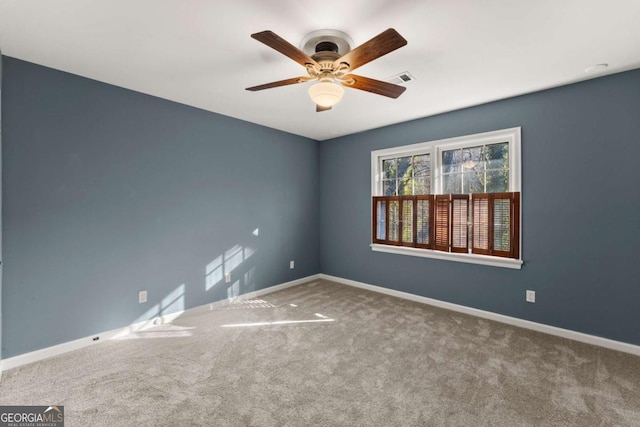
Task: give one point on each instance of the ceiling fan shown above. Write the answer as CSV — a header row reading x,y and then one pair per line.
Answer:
x,y
331,69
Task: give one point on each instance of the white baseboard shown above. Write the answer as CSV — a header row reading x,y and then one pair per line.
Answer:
x,y
45,353
527,324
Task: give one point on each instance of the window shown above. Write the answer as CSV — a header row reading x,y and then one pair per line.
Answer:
x,y
455,199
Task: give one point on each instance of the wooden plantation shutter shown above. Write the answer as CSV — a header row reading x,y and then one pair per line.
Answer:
x,y
515,225
505,209
481,220
496,224
393,220
441,241
424,219
379,220
407,221
459,223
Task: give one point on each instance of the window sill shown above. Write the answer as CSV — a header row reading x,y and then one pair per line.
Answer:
x,y
449,256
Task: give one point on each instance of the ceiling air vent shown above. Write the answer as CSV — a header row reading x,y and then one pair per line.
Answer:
x,y
402,78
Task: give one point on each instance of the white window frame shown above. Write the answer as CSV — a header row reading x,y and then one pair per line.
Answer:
x,y
435,149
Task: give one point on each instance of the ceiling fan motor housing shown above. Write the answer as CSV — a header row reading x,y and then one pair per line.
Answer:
x,y
326,46
326,40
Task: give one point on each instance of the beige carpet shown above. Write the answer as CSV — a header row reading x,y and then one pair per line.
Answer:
x,y
329,355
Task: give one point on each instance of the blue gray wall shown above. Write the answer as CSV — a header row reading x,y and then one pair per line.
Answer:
x,y
580,209
109,191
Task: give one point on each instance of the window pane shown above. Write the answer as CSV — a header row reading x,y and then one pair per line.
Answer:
x,y
473,182
422,185
452,160
497,156
497,167
404,167
389,188
497,181
381,214
407,221
472,158
389,168
404,176
501,225
452,184
422,165
394,220
422,222
405,187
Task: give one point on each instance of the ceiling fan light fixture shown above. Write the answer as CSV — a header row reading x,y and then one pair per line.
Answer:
x,y
326,94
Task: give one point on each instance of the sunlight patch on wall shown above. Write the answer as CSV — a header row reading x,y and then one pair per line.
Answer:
x,y
213,273
233,291
250,276
233,258
174,301
227,262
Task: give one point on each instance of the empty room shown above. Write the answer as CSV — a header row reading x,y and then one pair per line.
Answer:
x,y
369,213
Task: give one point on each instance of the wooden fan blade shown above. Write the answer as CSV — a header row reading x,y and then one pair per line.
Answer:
x,y
279,83
320,108
276,42
380,45
372,85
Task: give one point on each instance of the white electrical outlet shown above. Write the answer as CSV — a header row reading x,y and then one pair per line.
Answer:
x,y
531,296
292,264
227,278
142,297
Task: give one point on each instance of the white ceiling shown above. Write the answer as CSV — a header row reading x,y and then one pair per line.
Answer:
x,y
200,53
